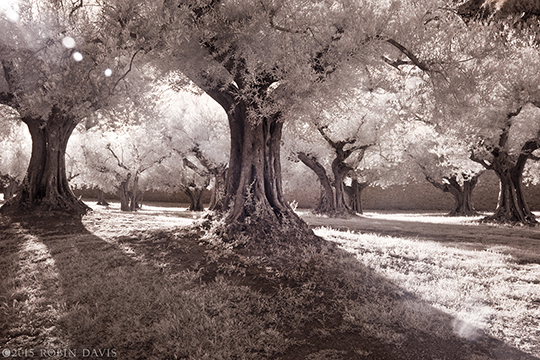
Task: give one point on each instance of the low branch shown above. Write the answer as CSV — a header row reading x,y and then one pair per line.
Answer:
x,y
421,65
326,137
127,72
480,161
120,163
396,63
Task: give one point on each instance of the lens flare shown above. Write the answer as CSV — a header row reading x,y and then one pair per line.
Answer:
x,y
12,15
68,42
77,56
108,72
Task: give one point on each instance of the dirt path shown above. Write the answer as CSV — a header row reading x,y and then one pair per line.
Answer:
x,y
523,243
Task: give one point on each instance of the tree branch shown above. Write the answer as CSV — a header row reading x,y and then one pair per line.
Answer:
x,y
326,137
120,163
421,65
480,161
127,72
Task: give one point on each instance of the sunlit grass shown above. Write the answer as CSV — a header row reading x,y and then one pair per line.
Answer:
x,y
425,217
484,290
141,285
32,301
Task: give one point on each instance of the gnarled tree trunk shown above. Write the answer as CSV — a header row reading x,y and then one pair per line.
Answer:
x,y
101,198
462,194
45,187
253,200
218,192
512,206
130,196
125,194
326,200
340,170
195,196
355,195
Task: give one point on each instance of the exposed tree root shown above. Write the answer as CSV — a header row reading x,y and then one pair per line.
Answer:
x,y
59,207
263,238
505,219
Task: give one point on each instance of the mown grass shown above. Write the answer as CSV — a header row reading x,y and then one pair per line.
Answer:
x,y
146,288
485,291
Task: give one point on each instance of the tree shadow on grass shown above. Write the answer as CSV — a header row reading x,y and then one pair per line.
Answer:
x,y
163,295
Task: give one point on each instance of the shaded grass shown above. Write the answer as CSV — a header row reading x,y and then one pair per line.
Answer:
x,y
166,293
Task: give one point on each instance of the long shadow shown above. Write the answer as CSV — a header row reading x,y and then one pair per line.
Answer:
x,y
116,307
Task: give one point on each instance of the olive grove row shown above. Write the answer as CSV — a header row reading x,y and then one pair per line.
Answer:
x,y
360,92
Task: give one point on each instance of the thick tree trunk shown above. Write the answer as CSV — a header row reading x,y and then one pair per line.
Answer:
x,y
130,196
326,200
512,206
195,197
101,198
340,171
463,205
124,194
134,194
218,192
462,194
137,200
254,192
45,187
253,203
355,195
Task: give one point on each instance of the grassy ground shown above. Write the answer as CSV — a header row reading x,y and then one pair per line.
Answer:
x,y
150,286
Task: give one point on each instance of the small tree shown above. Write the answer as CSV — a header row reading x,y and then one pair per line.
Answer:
x,y
15,145
121,159
206,147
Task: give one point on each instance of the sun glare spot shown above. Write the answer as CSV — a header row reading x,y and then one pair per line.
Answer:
x,y
108,72
68,42
77,56
12,15
11,9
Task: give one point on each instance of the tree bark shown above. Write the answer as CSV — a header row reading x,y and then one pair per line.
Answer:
x,y
340,171
326,200
134,194
462,194
101,198
463,205
45,188
218,173
253,200
355,195
124,194
195,196
512,206
218,192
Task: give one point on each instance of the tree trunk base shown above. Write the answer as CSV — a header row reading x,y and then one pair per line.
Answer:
x,y
261,235
61,207
509,219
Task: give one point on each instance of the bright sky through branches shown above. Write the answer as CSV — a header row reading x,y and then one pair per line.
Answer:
x,y
10,9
